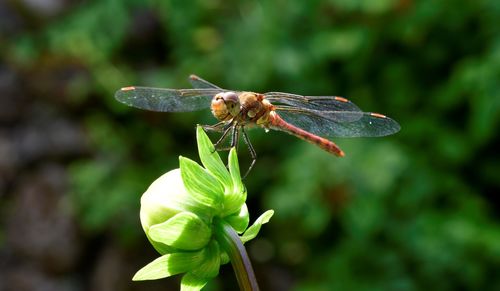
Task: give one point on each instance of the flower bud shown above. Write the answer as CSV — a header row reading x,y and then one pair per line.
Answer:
x,y
182,209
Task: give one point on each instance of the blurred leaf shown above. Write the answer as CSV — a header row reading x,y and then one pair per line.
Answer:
x,y
408,212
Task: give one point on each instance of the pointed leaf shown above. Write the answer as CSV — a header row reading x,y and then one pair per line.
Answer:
x,y
253,230
206,189
185,231
224,258
239,221
191,282
234,170
235,197
155,270
169,265
211,159
233,201
209,268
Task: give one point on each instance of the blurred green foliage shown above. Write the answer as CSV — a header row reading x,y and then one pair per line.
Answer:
x,y
418,210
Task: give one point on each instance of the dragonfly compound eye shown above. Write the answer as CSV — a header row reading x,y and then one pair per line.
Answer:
x,y
225,105
232,102
229,97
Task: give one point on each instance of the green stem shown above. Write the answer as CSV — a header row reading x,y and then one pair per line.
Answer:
x,y
231,243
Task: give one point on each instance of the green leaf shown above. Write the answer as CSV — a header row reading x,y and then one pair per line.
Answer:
x,y
234,170
209,268
211,159
185,231
240,220
224,258
235,197
202,186
191,282
233,201
168,265
253,230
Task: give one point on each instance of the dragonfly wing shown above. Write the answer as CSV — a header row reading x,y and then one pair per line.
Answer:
x,y
335,115
321,103
199,83
166,100
352,124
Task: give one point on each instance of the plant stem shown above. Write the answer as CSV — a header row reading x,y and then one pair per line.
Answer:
x,y
231,243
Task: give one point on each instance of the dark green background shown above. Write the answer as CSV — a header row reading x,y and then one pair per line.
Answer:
x,y
415,211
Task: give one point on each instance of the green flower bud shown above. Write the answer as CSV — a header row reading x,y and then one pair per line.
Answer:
x,y
182,211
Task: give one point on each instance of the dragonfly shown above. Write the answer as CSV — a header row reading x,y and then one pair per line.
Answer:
x,y
315,119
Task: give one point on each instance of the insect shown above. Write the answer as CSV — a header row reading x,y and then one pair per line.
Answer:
x,y
311,118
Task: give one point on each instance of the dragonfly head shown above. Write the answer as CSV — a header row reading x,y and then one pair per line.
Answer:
x,y
225,105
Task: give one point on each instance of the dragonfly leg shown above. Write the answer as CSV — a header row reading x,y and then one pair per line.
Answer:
x,y
253,154
226,130
234,139
218,127
224,127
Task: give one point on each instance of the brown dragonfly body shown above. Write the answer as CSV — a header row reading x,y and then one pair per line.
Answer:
x,y
250,108
310,118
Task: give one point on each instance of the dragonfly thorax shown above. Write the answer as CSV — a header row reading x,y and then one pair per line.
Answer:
x,y
252,107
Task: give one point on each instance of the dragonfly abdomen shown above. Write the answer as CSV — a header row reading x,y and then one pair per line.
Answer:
x,y
277,123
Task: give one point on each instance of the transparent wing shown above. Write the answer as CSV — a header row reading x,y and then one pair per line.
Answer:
x,y
320,103
167,100
339,123
199,83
